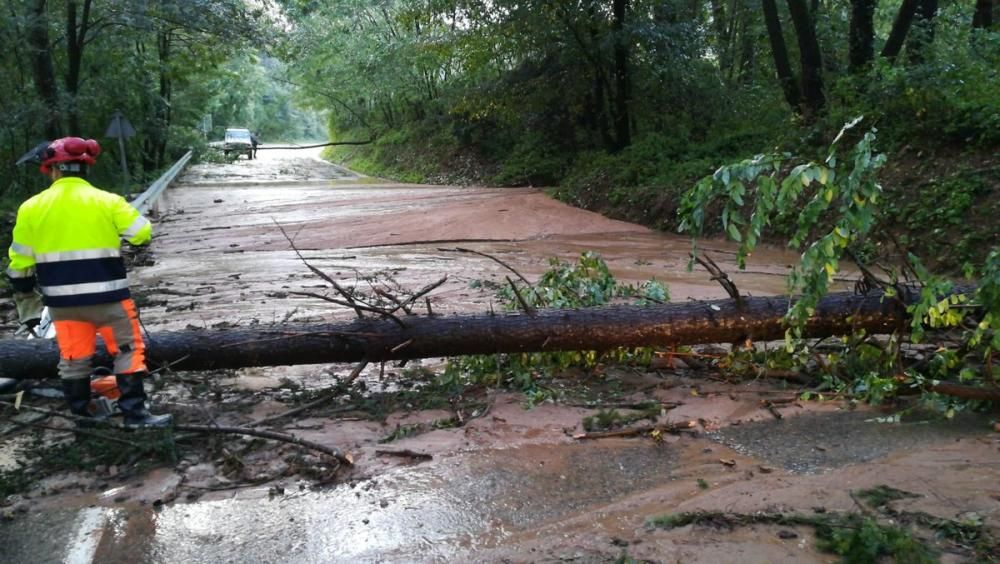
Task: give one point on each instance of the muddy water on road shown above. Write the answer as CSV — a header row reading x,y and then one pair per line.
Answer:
x,y
544,498
220,254
510,486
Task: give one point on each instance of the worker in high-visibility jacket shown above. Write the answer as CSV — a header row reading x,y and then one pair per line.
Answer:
x,y
66,254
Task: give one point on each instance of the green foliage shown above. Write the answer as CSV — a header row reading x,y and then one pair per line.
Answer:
x,y
952,96
808,192
108,447
607,419
587,283
412,429
985,336
251,91
865,541
949,219
856,538
882,494
833,207
533,161
407,154
155,62
528,93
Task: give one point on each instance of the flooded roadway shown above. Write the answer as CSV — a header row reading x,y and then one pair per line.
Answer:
x,y
220,251
512,486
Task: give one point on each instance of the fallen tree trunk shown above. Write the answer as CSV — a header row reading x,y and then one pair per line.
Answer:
x,y
690,323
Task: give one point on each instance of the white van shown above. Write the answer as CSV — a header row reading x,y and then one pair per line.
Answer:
x,y
238,141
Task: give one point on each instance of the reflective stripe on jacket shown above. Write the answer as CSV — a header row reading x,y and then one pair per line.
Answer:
x,y
67,240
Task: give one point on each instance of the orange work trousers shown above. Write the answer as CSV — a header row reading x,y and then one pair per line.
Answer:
x,y
76,333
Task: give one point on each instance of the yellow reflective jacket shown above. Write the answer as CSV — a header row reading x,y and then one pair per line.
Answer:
x,y
67,240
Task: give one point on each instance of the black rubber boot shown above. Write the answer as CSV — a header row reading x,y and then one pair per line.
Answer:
x,y
77,394
132,402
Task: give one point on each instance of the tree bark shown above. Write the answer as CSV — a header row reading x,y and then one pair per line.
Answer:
x,y
862,34
623,78
600,84
780,53
689,323
748,43
810,58
164,41
719,28
900,28
983,17
922,35
76,40
43,70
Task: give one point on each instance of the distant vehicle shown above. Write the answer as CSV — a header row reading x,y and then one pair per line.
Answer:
x,y
238,141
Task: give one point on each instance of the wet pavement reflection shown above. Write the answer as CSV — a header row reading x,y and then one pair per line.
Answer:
x,y
221,258
222,248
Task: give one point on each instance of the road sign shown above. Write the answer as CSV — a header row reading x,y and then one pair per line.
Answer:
x,y
119,127
122,129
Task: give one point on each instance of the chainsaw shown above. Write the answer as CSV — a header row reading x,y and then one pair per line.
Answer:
x,y
103,384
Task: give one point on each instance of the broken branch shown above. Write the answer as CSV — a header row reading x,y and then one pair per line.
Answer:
x,y
662,427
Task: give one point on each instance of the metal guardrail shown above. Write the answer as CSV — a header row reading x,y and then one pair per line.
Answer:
x,y
145,201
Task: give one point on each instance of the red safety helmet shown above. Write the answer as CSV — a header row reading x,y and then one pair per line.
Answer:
x,y
69,150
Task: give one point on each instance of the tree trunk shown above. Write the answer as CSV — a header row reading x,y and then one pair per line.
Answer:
x,y
862,34
811,61
774,34
76,39
42,69
623,78
162,104
983,17
748,43
900,28
922,35
600,110
719,28
688,323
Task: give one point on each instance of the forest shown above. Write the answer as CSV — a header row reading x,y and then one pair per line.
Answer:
x,y
356,367
859,130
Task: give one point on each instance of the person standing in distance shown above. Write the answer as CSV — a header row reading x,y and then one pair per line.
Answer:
x,y
66,254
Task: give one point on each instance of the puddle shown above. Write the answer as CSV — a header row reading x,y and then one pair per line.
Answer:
x,y
809,444
539,501
546,500
459,503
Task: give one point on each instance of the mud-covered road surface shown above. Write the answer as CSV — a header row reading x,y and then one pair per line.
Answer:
x,y
221,252
505,483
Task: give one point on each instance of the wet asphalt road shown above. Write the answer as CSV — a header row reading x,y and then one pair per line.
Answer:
x,y
221,257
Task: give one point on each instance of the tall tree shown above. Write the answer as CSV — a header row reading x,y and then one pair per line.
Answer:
x,y
861,40
748,42
76,40
900,28
43,69
623,79
983,16
922,34
810,58
786,77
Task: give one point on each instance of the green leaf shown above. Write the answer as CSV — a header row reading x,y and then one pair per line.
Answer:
x,y
734,232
